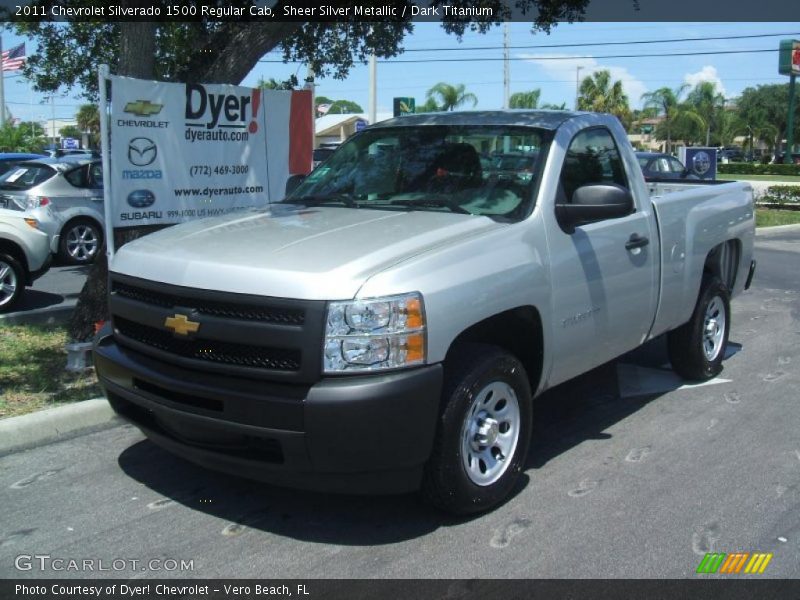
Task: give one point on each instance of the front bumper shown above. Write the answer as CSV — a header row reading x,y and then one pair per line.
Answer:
x,y
34,275
359,434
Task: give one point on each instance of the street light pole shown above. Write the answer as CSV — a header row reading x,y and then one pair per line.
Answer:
x,y
577,84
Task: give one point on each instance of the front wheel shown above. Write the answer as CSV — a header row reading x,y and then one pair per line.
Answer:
x,y
484,431
12,282
696,349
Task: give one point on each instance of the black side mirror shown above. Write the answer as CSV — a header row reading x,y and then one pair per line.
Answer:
x,y
293,182
594,202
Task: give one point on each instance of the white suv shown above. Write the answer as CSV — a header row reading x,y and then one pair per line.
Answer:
x,y
25,254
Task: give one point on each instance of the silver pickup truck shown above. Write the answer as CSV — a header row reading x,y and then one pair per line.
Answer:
x,y
388,325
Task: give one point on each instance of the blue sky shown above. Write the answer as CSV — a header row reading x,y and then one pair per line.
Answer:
x,y
535,67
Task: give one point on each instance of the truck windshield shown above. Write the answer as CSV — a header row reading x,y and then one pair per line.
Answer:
x,y
477,170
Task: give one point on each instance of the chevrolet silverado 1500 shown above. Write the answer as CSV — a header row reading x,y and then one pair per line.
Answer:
x,y
387,326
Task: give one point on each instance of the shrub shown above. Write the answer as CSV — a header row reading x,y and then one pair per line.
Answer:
x,y
781,194
758,169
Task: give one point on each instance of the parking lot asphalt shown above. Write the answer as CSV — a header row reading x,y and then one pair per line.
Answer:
x,y
54,293
632,473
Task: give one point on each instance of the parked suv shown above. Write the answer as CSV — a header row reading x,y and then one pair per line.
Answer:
x,y
25,254
73,188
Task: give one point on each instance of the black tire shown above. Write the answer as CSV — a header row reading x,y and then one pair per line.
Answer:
x,y
688,344
80,242
446,482
12,274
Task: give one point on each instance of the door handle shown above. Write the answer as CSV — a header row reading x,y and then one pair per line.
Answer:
x,y
636,241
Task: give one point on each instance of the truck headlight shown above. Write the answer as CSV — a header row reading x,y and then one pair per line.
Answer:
x,y
376,333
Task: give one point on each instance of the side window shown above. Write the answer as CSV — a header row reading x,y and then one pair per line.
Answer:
x,y
677,167
78,177
592,157
96,176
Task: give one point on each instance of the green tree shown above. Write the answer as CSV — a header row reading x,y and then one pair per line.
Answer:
x,y
549,106
704,105
450,97
428,106
337,107
528,99
763,111
27,136
274,84
223,52
70,131
665,102
598,93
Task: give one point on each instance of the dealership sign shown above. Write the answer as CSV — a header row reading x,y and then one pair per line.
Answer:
x,y
185,151
789,57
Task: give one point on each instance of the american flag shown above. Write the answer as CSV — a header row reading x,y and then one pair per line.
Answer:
x,y
14,59
323,108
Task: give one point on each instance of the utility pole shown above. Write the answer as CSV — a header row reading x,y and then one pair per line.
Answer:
x,y
787,156
2,91
506,69
577,84
373,89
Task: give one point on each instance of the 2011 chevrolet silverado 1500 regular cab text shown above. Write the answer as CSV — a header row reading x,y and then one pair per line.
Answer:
x,y
386,327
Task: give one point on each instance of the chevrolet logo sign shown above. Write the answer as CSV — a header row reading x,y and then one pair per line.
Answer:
x,y
181,325
143,108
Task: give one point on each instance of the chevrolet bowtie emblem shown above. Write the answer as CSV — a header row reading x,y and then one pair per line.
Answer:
x,y
143,108
181,325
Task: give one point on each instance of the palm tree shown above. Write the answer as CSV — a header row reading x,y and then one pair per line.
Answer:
x,y
88,119
666,102
451,97
598,93
706,103
549,106
525,99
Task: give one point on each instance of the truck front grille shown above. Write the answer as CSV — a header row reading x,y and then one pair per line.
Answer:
x,y
210,350
269,338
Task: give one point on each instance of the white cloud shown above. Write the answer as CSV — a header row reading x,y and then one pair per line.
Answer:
x,y
565,69
707,73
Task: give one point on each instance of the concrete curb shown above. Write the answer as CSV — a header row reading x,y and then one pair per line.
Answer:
x,y
55,424
56,315
777,229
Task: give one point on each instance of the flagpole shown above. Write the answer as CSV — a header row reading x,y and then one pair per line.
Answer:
x,y
2,90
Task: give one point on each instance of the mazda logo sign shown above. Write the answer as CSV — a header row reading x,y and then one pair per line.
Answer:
x,y
142,151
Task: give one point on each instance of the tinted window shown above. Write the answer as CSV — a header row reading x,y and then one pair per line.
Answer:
x,y
78,177
592,157
25,176
676,165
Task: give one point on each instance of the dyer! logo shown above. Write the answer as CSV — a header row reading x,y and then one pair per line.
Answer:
x,y
142,151
204,109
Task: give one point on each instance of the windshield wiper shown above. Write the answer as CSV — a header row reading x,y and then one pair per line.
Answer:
x,y
317,199
432,203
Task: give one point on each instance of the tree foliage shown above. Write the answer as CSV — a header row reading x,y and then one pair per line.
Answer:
x,y
449,97
598,93
763,111
70,131
27,136
528,99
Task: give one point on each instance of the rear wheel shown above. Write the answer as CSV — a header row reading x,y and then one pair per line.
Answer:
x,y
80,242
696,349
483,433
12,282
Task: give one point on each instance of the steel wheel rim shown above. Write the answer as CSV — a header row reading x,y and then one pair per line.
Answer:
x,y
714,328
8,283
490,433
82,242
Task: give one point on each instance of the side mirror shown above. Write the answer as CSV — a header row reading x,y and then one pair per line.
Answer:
x,y
293,182
594,203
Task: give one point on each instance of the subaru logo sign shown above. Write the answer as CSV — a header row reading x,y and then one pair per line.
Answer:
x,y
141,198
701,163
142,151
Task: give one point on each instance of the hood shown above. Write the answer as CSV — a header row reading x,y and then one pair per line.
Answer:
x,y
311,253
